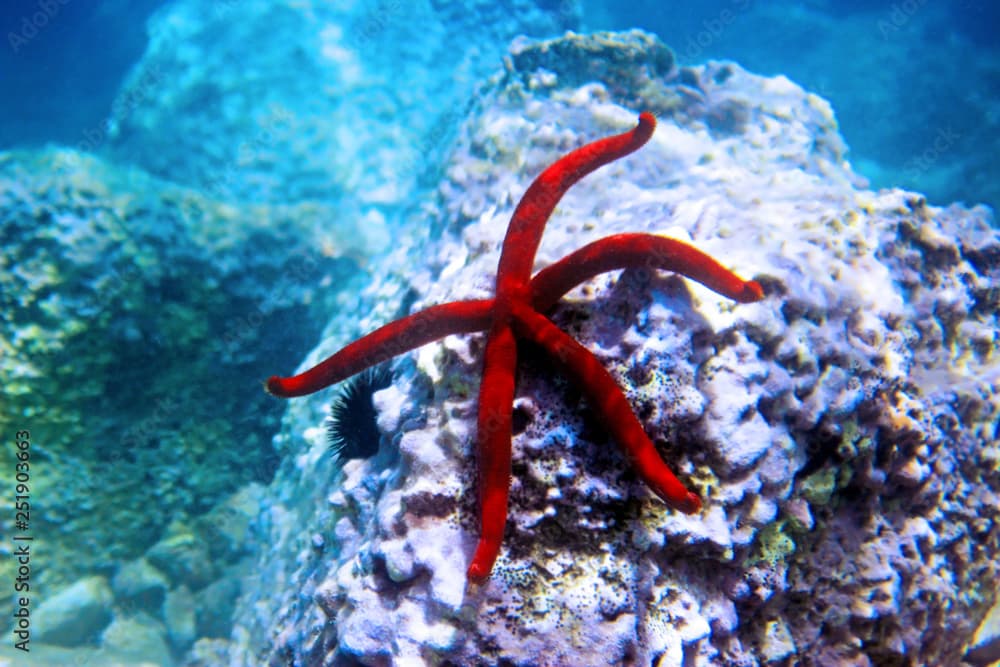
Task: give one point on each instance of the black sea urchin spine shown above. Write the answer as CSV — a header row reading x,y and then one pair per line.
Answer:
x,y
351,429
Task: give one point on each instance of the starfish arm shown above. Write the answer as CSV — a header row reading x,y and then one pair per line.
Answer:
x,y
649,251
496,398
608,399
528,222
400,336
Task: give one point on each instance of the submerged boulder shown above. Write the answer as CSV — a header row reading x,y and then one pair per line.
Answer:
x,y
74,615
139,317
842,432
137,636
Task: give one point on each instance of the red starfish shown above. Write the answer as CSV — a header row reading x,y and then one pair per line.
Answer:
x,y
516,312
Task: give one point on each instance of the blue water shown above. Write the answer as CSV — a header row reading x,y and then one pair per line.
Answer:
x,y
914,83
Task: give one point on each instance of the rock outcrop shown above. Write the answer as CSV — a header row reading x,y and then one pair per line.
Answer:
x,y
842,432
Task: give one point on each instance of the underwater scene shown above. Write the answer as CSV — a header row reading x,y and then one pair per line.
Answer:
x,y
523,333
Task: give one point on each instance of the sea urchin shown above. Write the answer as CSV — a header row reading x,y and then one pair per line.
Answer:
x,y
351,429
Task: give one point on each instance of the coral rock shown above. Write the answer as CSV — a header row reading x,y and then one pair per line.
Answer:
x,y
842,432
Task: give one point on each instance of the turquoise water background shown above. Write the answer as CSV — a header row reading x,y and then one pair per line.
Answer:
x,y
915,84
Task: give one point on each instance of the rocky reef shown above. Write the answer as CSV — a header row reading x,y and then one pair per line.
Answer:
x,y
135,311
843,432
